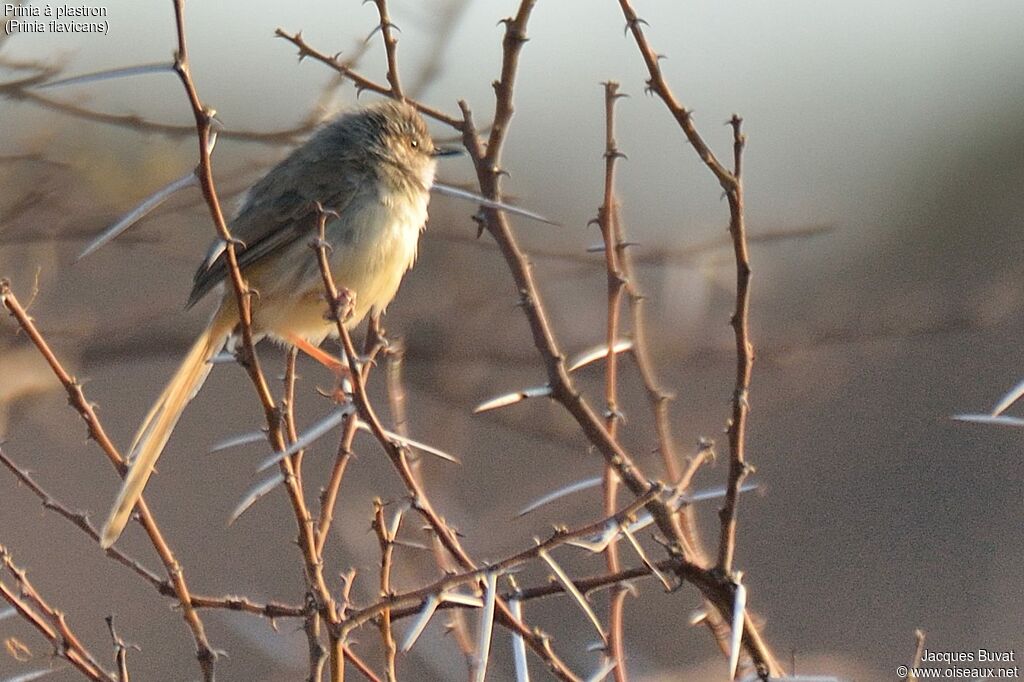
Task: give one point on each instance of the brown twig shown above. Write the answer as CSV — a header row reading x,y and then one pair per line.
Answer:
x,y
270,609
657,84
386,540
658,398
687,515
740,321
204,653
473,575
730,181
120,651
315,581
552,588
243,296
396,393
607,216
317,652
288,408
80,520
329,495
390,48
488,170
362,82
375,343
655,255
394,356
284,136
311,626
23,90
50,622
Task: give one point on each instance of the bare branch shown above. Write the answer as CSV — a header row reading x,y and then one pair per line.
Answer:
x,y
386,538
97,433
49,622
337,304
361,82
607,218
387,31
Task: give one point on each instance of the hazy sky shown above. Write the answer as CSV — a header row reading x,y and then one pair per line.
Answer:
x,y
829,90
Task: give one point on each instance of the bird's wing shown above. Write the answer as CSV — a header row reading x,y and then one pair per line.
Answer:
x,y
281,208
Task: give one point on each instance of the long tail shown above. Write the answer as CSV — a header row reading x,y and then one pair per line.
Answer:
x,y
156,428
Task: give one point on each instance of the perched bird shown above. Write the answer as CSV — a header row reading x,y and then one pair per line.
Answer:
x,y
372,169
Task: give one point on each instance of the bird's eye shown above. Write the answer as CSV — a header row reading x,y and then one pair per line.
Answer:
x,y
414,143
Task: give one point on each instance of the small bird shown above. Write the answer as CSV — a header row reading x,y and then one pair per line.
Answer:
x,y
372,170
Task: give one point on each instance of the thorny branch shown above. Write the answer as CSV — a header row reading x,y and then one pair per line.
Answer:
x,y
77,399
338,310
740,321
120,651
607,217
316,583
80,520
23,90
361,82
472,575
716,586
387,31
715,583
386,538
243,301
731,183
50,622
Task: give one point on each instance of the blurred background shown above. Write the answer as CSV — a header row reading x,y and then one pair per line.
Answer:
x,y
883,183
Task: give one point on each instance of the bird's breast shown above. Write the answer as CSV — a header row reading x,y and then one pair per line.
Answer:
x,y
375,245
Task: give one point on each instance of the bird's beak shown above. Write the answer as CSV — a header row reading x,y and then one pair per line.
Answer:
x,y
447,151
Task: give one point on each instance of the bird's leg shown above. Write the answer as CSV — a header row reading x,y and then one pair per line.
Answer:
x,y
341,309
332,363
337,366
376,336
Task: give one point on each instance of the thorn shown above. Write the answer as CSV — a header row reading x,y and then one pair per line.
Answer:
x,y
615,414
481,223
378,27
634,23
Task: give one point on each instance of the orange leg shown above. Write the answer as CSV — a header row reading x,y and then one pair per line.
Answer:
x,y
339,368
323,357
